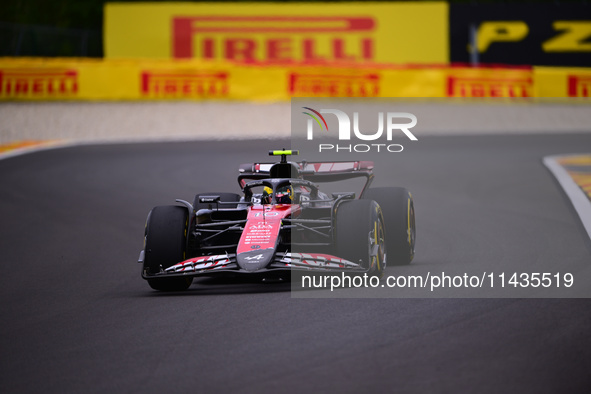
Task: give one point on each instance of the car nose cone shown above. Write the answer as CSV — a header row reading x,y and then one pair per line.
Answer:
x,y
254,260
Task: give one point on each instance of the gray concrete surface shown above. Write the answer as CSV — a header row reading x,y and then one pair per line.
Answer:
x,y
135,121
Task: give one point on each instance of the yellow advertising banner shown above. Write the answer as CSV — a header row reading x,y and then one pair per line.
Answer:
x,y
489,82
562,82
95,79
84,79
363,82
30,79
400,33
65,79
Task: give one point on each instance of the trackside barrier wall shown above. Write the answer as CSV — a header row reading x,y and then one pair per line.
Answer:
x,y
400,32
563,82
86,79
515,33
426,32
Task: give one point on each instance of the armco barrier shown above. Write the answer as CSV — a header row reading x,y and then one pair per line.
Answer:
x,y
85,79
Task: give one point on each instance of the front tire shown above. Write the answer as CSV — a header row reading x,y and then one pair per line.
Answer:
x,y
360,235
399,214
166,245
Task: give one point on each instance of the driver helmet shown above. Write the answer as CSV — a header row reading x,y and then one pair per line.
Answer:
x,y
267,193
284,195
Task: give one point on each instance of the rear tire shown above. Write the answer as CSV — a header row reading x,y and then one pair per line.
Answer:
x,y
399,214
166,245
360,235
224,197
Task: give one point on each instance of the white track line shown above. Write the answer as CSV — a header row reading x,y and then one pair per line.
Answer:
x,y
576,195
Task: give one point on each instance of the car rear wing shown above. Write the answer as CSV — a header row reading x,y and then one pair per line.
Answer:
x,y
311,171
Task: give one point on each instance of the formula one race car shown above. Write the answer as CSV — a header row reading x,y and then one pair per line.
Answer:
x,y
282,223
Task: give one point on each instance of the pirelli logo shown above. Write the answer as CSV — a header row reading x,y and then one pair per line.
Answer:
x,y
331,85
579,86
489,87
274,38
173,84
38,83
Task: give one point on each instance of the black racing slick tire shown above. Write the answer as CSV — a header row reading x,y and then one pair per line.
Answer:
x,y
360,235
399,214
224,197
166,244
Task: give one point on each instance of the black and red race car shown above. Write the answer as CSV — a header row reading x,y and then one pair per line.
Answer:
x,y
281,223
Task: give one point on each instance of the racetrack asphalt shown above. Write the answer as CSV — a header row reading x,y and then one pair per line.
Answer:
x,y
77,317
